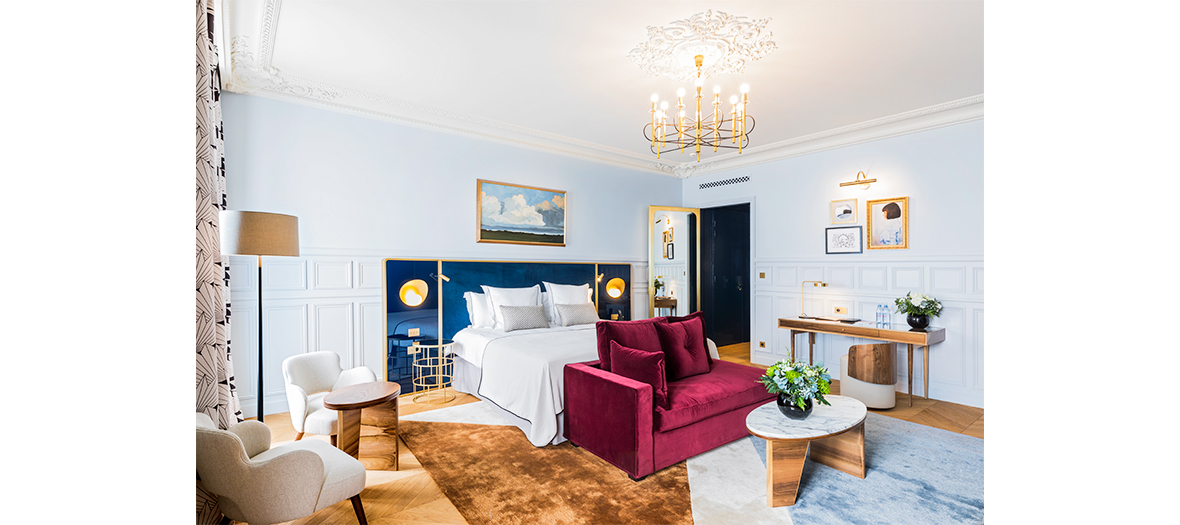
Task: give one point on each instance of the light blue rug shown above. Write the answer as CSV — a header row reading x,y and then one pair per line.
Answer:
x,y
916,475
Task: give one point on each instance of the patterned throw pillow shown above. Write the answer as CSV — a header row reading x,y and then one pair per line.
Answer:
x,y
523,317
575,314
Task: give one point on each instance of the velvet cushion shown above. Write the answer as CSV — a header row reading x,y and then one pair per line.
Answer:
x,y
727,387
640,335
641,365
699,316
685,351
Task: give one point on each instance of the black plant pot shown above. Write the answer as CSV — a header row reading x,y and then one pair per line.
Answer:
x,y
792,410
918,322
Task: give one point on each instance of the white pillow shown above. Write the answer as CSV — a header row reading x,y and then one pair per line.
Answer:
x,y
566,294
510,297
548,304
479,310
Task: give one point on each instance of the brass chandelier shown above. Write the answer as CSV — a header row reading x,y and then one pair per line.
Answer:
x,y
690,131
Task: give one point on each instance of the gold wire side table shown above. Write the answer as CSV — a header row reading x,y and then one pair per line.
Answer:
x,y
434,370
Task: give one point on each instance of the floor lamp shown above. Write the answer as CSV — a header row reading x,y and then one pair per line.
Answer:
x,y
259,233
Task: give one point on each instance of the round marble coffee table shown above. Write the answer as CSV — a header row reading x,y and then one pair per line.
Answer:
x,y
835,435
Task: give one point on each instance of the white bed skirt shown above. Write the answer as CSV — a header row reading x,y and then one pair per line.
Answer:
x,y
466,380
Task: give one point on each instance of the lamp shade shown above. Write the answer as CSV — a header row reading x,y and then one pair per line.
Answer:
x,y
615,287
414,292
259,233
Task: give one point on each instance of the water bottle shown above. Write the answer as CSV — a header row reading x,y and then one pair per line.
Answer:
x,y
880,318
886,318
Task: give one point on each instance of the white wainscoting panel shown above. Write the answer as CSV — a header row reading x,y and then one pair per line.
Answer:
x,y
908,278
284,273
371,275
956,364
332,275
948,280
332,331
284,332
873,278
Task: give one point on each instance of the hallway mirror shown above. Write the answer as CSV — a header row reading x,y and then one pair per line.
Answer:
x,y
673,260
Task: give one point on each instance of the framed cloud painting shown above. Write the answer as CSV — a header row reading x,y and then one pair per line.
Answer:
x,y
514,214
889,223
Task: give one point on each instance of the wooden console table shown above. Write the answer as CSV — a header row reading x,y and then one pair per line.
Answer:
x,y
909,337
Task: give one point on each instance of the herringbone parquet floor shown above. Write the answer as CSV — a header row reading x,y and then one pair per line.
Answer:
x,y
410,497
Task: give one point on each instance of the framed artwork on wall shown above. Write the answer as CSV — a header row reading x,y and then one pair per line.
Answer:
x,y
515,214
889,223
844,211
844,239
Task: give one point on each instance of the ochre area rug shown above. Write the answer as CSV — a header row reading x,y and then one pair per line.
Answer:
x,y
492,474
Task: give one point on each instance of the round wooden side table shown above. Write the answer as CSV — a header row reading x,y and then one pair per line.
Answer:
x,y
378,400
835,434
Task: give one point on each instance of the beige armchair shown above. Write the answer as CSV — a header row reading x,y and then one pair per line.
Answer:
x,y
309,378
262,485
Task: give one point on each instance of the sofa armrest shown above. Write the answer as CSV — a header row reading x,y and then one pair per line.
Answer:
x,y
610,416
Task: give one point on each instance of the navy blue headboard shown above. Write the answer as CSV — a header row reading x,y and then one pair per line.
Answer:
x,y
468,276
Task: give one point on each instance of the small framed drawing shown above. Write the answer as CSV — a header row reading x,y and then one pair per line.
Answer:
x,y
516,214
889,223
844,239
844,211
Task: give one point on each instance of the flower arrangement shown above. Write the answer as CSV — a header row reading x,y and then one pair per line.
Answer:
x,y
798,381
657,284
918,304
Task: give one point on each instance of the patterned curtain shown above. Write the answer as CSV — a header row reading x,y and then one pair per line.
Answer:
x,y
216,395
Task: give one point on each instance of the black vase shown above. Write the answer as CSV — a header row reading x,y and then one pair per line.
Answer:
x,y
792,410
918,322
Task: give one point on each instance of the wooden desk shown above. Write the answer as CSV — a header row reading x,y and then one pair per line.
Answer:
x,y
668,303
909,337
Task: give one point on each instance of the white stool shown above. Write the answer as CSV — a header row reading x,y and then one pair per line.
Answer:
x,y
872,395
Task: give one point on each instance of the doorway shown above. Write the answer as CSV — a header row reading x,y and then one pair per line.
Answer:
x,y
725,273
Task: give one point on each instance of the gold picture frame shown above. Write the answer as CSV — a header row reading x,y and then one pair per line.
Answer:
x,y
888,224
516,214
843,211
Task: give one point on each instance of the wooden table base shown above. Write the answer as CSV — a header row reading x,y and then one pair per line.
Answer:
x,y
784,461
377,447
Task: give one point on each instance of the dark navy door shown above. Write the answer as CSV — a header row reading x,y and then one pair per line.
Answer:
x,y
725,273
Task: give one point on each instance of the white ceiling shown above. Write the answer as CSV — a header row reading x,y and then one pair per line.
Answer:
x,y
554,75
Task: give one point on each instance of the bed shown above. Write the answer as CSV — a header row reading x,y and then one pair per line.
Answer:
x,y
520,373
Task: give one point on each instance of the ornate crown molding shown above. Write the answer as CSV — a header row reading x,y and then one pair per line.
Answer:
x,y
727,42
922,119
249,76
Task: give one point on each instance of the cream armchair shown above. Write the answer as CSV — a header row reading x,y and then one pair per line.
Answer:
x,y
262,485
309,378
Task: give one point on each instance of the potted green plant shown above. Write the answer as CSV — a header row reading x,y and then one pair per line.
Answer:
x,y
797,384
658,284
918,309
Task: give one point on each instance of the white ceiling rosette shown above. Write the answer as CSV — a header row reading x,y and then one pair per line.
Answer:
x,y
727,43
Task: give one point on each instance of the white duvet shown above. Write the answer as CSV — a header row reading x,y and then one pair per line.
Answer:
x,y
523,370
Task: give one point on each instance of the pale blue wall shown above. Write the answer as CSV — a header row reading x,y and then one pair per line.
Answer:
x,y
940,170
365,186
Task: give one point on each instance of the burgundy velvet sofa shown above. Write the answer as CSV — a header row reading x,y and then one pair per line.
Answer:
x,y
620,419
